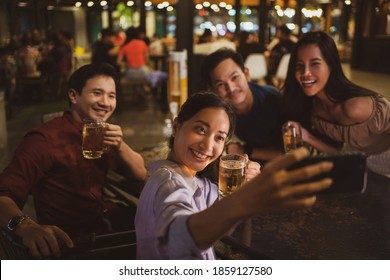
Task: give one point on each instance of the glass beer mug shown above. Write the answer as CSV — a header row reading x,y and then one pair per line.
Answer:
x,y
292,136
93,135
231,173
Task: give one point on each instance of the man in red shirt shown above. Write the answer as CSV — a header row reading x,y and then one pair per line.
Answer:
x,y
136,53
67,188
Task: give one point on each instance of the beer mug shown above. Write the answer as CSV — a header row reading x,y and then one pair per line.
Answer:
x,y
231,173
292,136
93,135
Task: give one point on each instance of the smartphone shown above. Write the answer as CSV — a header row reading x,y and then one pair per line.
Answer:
x,y
349,172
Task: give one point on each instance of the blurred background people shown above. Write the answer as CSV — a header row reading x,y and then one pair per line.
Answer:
x,y
206,37
105,49
135,52
249,44
27,57
156,47
284,46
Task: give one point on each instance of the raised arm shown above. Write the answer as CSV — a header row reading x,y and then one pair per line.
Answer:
x,y
132,160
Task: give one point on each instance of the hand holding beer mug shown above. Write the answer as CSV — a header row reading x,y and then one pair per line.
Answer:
x,y
292,136
231,173
93,135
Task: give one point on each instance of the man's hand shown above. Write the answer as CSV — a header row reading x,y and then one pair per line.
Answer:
x,y
42,240
113,136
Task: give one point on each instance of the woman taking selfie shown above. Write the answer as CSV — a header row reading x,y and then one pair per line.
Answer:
x,y
180,214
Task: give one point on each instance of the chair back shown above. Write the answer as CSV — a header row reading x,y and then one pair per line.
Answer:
x,y
257,66
50,116
281,72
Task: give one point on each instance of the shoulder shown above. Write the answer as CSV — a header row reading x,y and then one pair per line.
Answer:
x,y
59,131
139,42
45,129
164,171
165,184
264,94
38,142
51,123
358,109
263,89
164,174
161,180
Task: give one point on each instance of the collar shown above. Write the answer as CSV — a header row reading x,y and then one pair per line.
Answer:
x,y
68,116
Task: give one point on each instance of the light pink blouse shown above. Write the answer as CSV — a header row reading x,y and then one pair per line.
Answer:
x,y
371,136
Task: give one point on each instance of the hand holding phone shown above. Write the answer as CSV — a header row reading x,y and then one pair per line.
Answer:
x,y
348,174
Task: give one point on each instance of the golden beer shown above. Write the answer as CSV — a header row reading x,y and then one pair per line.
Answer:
x,y
292,136
291,142
93,135
231,173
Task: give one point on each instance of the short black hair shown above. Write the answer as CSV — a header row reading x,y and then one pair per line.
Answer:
x,y
79,77
211,61
131,34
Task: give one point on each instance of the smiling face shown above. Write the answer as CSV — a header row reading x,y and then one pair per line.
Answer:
x,y
231,83
97,99
201,139
311,71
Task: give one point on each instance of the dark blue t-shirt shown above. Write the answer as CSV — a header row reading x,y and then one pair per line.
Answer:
x,y
261,127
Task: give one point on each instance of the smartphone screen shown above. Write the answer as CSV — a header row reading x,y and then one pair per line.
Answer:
x,y
349,173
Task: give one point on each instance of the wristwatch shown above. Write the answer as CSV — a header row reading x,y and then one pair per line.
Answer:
x,y
15,221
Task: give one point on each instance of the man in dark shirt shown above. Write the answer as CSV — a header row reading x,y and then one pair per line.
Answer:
x,y
67,188
104,50
257,106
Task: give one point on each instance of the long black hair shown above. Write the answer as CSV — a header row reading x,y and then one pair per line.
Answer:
x,y
296,105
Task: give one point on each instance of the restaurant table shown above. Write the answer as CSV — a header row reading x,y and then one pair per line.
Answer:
x,y
348,226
